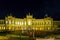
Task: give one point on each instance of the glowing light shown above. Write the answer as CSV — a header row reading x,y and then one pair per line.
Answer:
x,y
33,28
9,28
10,22
4,27
22,23
6,22
18,23
13,22
36,28
25,23
40,28
29,23
48,28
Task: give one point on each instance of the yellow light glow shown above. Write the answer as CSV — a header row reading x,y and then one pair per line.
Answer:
x,y
41,28
4,27
0,28
36,28
18,23
48,28
22,23
25,23
13,22
9,28
29,23
9,22
33,28
6,22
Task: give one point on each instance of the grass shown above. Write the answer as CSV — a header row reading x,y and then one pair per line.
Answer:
x,y
19,36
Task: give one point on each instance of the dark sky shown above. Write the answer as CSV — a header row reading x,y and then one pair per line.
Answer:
x,y
19,8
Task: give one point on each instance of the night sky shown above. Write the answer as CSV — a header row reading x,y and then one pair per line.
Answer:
x,y
38,8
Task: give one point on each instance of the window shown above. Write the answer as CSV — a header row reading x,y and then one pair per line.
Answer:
x,y
25,22
22,23
18,23
6,22
13,22
46,23
9,21
29,23
48,28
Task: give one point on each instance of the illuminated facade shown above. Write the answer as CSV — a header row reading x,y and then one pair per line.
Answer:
x,y
29,23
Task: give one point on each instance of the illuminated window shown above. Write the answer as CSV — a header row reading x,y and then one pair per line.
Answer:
x,y
18,23
4,28
6,22
22,23
25,22
41,28
29,23
46,22
48,28
36,28
9,21
9,28
13,22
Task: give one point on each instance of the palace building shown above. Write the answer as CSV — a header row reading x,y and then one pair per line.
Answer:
x,y
11,23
